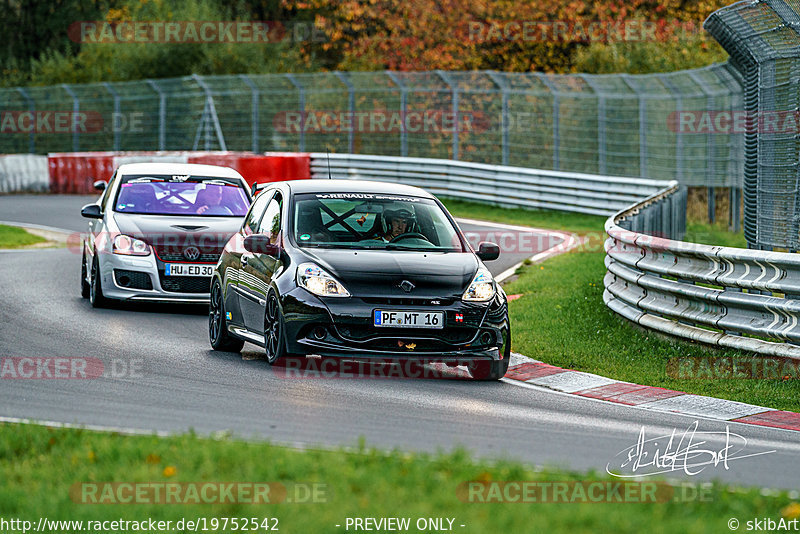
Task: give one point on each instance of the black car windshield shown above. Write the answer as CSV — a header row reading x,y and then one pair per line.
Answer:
x,y
372,221
197,196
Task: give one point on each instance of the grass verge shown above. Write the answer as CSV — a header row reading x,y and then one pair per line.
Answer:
x,y
14,237
561,319
714,234
552,220
39,467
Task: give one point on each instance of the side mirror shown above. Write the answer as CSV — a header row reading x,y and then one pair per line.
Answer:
x,y
92,211
488,251
259,244
100,185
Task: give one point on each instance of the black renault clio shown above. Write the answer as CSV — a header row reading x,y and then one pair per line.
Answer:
x,y
356,269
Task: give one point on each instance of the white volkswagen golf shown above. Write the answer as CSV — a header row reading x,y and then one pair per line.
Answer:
x,y
157,231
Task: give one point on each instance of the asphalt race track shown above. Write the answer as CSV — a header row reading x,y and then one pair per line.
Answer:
x,y
178,383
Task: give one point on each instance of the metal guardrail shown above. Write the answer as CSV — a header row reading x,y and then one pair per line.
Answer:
x,y
715,295
493,184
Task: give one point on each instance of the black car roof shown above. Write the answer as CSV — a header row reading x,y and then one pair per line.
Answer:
x,y
354,186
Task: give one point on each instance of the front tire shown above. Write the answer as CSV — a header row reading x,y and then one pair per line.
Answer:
x,y
96,296
85,289
274,330
492,370
218,333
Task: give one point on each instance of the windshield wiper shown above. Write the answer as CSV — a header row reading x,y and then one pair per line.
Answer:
x,y
426,249
328,245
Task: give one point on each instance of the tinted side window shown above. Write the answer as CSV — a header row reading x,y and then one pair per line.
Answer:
x,y
271,223
256,210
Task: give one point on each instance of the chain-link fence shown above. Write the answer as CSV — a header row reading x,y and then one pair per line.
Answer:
x,y
763,39
647,126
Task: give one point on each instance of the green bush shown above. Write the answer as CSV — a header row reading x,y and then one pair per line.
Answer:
x,y
134,61
647,57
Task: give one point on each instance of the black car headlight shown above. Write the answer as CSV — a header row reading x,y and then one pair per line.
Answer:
x,y
130,246
312,277
481,288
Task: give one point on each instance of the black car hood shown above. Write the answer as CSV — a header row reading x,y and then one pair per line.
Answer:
x,y
368,273
209,234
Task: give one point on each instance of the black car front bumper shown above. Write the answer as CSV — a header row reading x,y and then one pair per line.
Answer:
x,y
343,327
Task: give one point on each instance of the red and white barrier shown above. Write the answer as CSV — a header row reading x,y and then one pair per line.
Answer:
x,y
76,172
23,172
260,168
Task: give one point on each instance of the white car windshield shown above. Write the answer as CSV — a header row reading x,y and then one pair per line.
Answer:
x,y
202,196
373,221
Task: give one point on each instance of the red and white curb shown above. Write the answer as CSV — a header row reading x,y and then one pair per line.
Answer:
x,y
533,372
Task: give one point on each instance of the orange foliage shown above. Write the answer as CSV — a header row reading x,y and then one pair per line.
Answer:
x,y
488,34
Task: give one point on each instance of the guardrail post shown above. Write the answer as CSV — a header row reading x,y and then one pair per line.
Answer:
x,y
500,82
403,110
712,205
454,97
735,202
116,115
32,109
351,109
679,222
253,110
666,218
76,108
556,116
301,94
162,114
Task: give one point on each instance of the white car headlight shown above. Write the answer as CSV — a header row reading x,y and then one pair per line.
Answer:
x,y
312,277
130,246
481,288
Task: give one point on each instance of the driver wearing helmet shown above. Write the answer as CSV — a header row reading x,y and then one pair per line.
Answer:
x,y
396,222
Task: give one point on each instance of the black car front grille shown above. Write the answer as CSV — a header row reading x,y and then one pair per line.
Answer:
x,y
132,279
449,335
177,256
185,284
172,252
407,301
